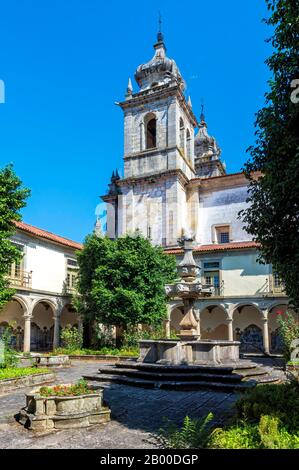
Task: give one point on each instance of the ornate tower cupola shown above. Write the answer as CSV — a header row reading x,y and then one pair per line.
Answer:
x,y
158,120
207,153
160,70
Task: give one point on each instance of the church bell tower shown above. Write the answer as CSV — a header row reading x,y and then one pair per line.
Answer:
x,y
158,153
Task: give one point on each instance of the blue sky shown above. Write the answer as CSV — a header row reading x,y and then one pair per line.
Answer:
x,y
65,63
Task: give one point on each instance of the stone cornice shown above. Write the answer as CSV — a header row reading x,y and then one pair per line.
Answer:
x,y
152,178
109,197
156,150
161,92
233,180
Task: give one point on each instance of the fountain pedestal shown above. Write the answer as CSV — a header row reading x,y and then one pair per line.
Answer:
x,y
196,352
189,349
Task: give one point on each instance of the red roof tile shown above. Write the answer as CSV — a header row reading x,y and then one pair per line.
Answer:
x,y
214,247
38,232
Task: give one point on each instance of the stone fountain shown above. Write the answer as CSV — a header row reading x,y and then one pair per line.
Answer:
x,y
187,362
189,349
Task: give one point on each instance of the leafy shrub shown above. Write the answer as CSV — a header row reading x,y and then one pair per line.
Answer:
x,y
289,330
11,358
71,337
278,400
194,434
240,436
80,388
266,435
98,352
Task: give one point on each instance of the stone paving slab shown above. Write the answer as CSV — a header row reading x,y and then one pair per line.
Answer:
x,y
137,414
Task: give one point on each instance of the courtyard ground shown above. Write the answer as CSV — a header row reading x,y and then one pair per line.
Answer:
x,y
137,415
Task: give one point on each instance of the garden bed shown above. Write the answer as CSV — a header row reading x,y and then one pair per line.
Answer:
x,y
14,378
66,406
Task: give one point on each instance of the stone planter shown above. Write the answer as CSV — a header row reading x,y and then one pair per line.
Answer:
x,y
6,385
69,412
53,361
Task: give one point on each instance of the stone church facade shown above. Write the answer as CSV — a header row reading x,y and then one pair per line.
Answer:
x,y
175,182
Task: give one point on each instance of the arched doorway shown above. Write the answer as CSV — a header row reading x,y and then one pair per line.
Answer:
x,y
248,328
69,316
213,323
42,326
12,316
276,312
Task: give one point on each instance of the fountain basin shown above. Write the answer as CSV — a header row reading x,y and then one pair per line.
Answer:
x,y
189,352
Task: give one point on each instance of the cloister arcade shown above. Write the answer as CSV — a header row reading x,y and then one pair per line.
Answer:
x,y
37,321
254,324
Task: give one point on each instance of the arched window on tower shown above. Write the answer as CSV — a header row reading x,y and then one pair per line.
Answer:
x,y
182,136
188,141
151,132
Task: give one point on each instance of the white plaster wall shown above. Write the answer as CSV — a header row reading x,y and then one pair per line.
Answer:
x,y
222,207
243,275
47,262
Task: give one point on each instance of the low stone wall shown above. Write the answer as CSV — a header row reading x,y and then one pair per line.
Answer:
x,y
101,357
53,361
67,412
6,385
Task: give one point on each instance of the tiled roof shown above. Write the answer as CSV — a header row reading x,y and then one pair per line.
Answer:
x,y
38,232
214,247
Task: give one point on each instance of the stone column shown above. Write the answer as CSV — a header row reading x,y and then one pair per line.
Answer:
x,y
266,334
230,329
167,328
27,332
56,335
197,317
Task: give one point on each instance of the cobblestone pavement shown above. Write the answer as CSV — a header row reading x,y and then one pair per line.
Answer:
x,y
137,414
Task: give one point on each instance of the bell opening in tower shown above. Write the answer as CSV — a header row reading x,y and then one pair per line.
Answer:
x,y
151,134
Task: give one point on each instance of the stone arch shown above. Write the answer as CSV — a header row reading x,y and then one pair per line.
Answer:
x,y
248,327
182,135
68,316
42,325
188,144
13,314
213,322
150,127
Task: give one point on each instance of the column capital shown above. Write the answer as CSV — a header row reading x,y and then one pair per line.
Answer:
x,y
28,316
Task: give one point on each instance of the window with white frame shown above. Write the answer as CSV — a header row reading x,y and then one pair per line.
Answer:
x,y
16,269
71,273
221,234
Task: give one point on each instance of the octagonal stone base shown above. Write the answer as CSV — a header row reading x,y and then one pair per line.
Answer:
x,y
50,413
195,352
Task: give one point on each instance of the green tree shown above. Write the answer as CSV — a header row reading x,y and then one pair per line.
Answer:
x,y
12,199
121,282
273,213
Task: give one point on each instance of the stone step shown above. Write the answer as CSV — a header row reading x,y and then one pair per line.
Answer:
x,y
159,375
173,385
217,369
